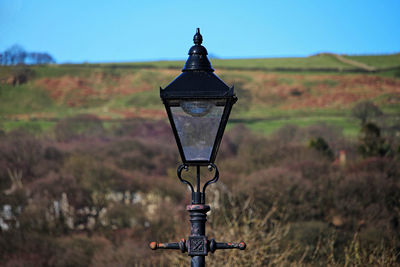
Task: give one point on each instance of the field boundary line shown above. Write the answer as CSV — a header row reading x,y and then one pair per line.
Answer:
x,y
354,63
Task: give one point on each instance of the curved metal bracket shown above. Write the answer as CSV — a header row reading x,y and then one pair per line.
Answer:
x,y
179,172
213,180
211,167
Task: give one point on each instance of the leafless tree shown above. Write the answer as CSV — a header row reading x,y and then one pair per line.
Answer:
x,y
366,110
16,55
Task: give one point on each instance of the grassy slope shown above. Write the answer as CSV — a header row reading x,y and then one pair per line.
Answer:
x,y
321,61
381,61
268,100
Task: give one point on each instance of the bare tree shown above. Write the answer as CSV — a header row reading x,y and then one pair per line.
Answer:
x,y
16,55
366,110
40,58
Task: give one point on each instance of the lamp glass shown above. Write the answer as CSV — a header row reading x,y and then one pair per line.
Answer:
x,y
197,123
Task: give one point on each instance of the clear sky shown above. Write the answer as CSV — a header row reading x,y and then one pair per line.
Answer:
x,y
115,31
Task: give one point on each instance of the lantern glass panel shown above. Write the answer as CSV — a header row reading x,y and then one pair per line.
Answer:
x,y
197,123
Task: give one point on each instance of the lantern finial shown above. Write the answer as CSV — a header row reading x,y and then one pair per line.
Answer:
x,y
198,39
198,60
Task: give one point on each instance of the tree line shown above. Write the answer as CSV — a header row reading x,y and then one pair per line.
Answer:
x,y
16,55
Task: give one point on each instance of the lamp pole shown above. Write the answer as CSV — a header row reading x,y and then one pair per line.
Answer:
x,y
198,105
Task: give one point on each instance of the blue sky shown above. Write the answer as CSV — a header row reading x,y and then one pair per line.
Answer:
x,y
115,31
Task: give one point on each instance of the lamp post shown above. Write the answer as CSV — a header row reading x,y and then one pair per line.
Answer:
x,y
198,105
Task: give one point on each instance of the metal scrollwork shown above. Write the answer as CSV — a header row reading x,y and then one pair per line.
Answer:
x,y
179,172
211,167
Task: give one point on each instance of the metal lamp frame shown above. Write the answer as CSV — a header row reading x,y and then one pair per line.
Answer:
x,y
198,82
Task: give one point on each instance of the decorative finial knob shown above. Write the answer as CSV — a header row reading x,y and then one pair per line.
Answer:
x,y
198,60
198,39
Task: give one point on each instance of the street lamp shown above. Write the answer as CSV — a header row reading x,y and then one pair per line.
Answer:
x,y
198,104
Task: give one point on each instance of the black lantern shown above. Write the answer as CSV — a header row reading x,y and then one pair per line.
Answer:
x,y
198,105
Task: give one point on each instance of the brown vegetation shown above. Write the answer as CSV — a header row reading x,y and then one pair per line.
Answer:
x,y
96,197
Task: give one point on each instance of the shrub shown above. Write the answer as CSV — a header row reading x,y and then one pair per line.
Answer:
x,y
20,151
129,253
54,184
238,220
122,216
322,146
308,240
24,248
365,198
276,185
371,142
20,75
76,251
143,156
158,131
52,153
288,133
92,178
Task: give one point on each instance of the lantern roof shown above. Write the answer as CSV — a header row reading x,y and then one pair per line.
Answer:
x,y
197,84
197,78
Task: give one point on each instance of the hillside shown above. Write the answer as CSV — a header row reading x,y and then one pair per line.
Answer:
x,y
323,62
301,91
